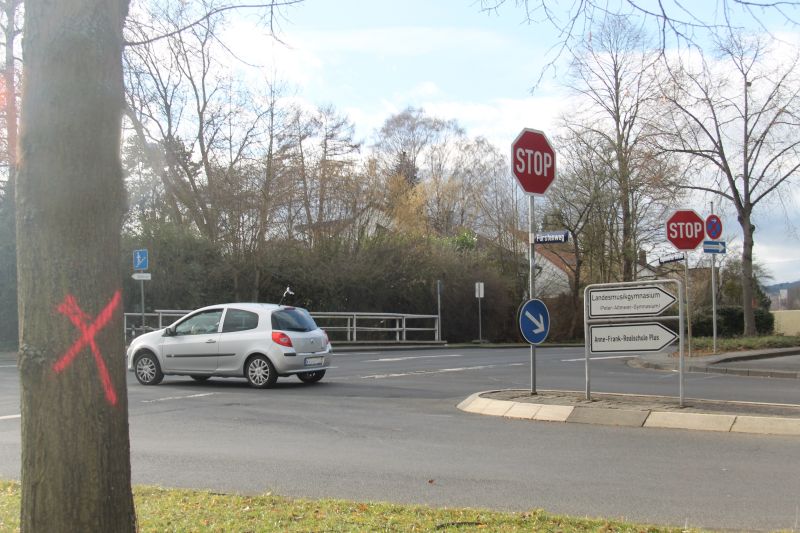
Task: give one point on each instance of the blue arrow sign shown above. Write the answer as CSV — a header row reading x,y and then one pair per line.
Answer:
x,y
534,321
140,259
714,247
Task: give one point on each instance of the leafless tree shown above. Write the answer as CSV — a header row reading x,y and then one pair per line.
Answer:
x,y
578,200
197,125
736,118
321,162
675,22
614,77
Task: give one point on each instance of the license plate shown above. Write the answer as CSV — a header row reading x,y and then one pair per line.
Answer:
x,y
312,361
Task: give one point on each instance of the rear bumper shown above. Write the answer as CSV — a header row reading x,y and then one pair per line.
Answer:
x,y
295,363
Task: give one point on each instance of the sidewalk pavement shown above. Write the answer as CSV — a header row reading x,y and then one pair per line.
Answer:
x,y
771,363
637,411
658,411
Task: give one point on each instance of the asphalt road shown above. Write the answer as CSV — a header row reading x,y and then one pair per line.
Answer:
x,y
382,426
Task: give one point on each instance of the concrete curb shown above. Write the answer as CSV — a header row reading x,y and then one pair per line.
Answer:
x,y
649,418
640,362
715,364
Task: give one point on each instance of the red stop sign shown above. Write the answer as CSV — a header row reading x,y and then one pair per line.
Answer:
x,y
685,229
533,161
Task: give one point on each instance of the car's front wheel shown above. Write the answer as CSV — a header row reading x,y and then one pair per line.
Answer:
x,y
311,377
260,372
147,369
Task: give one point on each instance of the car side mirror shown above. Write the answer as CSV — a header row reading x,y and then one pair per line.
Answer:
x,y
169,332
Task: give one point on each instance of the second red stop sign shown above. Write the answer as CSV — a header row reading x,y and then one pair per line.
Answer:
x,y
685,229
533,161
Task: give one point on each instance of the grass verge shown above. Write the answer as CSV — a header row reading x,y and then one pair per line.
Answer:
x,y
705,345
169,510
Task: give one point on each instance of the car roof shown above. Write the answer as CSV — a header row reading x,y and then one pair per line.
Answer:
x,y
249,306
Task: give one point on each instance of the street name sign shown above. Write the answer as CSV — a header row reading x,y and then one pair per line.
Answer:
x,y
533,161
670,259
551,237
624,338
534,321
685,229
714,247
628,302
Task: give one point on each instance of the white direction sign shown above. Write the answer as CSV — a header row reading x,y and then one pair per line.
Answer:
x,y
142,276
623,338
628,302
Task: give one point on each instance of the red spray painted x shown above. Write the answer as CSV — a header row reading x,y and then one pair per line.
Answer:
x,y
69,307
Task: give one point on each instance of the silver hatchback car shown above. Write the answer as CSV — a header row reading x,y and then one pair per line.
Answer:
x,y
259,342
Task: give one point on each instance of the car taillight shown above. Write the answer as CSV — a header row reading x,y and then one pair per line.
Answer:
x,y
282,338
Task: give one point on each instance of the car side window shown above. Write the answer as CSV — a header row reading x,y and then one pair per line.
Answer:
x,y
201,323
239,320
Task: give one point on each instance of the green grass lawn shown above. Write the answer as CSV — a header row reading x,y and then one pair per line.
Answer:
x,y
163,510
705,345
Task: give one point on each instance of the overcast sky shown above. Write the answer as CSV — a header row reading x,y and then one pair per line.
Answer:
x,y
371,59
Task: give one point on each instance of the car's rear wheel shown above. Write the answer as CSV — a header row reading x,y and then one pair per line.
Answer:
x,y
311,377
200,378
147,369
260,372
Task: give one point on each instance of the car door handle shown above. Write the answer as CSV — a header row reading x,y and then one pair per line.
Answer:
x,y
209,341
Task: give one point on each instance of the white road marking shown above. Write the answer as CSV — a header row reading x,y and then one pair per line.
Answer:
x,y
439,371
394,359
179,397
10,417
337,352
599,358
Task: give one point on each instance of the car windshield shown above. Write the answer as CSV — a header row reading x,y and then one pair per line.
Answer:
x,y
293,319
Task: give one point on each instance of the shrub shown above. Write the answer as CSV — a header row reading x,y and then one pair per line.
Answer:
x,y
730,321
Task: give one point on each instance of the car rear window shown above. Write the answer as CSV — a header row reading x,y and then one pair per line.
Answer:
x,y
293,320
239,320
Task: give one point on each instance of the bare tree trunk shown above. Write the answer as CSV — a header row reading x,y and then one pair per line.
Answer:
x,y
70,204
576,288
747,275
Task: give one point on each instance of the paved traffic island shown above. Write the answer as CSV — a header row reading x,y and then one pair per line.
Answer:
x,y
637,411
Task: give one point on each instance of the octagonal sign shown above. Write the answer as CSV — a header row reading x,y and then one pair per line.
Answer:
x,y
533,161
685,229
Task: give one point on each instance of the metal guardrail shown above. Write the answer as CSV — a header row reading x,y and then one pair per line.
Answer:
x,y
394,324
373,327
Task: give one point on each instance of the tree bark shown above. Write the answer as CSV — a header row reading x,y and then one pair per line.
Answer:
x,y
747,276
70,204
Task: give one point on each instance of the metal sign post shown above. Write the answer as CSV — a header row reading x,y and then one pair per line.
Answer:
x,y
532,281
438,309
688,304
479,296
533,163
141,261
714,232
714,301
